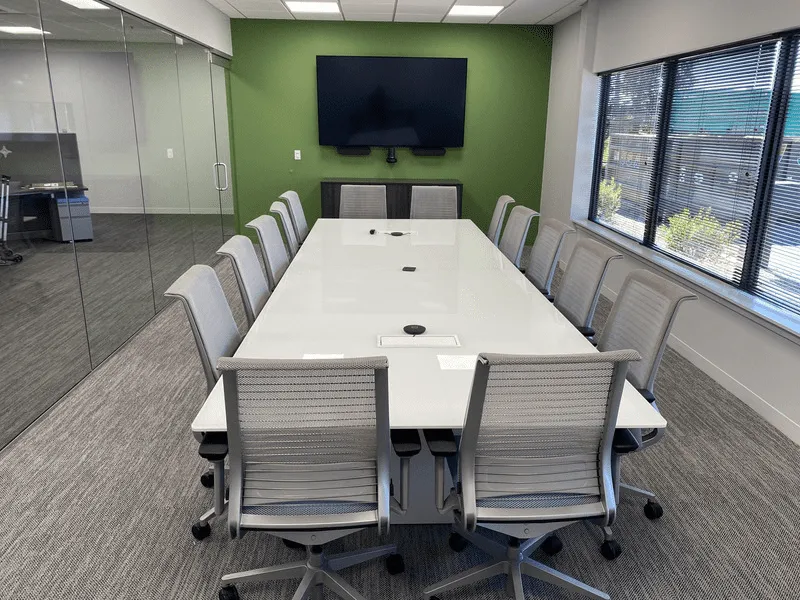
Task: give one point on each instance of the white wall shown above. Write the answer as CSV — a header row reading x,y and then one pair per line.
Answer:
x,y
195,19
635,31
755,364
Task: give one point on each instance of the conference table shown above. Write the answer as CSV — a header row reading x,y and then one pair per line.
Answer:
x,y
352,288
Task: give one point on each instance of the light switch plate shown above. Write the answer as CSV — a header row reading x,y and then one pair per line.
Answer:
x,y
298,155
170,153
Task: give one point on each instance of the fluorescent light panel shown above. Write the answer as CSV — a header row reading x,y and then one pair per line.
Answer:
x,y
86,4
23,30
313,7
465,10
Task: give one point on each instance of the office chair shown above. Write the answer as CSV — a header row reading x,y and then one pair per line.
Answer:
x,y
642,318
544,255
434,202
279,208
362,202
309,462
582,283
273,250
216,335
516,232
297,214
535,456
252,283
496,224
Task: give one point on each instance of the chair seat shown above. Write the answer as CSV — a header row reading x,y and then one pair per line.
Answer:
x,y
214,446
286,509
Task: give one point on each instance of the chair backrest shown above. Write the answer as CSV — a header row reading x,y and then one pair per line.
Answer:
x,y
308,441
273,250
210,317
583,281
279,208
544,254
537,435
496,225
252,283
297,214
434,202
642,318
362,202
516,232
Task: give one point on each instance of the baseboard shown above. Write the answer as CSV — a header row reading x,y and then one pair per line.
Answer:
x,y
764,409
152,210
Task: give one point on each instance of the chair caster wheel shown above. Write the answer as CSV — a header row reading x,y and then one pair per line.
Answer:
x,y
395,564
610,549
229,592
201,531
457,543
552,545
293,545
207,479
653,510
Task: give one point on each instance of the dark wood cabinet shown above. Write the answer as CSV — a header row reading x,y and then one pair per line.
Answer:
x,y
398,194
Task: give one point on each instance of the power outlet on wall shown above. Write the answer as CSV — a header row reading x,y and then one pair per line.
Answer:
x,y
298,155
170,153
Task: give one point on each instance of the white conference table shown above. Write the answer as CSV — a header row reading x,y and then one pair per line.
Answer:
x,y
346,288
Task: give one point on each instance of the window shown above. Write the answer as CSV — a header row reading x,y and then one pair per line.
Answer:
x,y
699,157
632,114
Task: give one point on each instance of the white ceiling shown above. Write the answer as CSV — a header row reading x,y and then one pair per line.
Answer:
x,y
542,12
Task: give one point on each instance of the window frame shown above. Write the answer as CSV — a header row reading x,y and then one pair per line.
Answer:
x,y
788,54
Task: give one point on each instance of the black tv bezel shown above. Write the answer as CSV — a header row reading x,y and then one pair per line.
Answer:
x,y
466,82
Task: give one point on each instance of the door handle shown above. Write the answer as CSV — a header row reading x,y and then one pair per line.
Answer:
x,y
225,187
215,168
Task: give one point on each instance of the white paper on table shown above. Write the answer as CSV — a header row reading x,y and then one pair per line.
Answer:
x,y
457,362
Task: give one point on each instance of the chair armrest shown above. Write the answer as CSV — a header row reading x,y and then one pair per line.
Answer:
x,y
625,441
586,331
441,442
214,447
648,395
406,443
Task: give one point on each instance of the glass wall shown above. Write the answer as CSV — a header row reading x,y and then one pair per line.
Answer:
x,y
108,138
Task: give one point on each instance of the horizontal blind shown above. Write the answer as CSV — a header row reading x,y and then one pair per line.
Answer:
x,y
779,266
718,122
629,146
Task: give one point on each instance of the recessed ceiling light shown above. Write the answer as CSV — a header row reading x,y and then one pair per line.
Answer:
x,y
465,10
23,30
313,7
86,4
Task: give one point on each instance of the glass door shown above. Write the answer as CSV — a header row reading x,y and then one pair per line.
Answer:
x,y
224,179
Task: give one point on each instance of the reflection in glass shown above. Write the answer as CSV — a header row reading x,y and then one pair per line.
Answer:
x,y
156,94
91,87
43,346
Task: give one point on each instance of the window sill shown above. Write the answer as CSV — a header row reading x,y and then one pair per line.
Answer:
x,y
761,312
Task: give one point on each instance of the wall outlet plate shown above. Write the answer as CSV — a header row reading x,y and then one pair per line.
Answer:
x,y
298,155
170,153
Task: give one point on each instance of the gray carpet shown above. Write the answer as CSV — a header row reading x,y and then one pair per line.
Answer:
x,y
100,493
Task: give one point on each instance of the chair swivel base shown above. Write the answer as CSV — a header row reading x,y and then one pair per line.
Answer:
x,y
610,548
315,573
514,562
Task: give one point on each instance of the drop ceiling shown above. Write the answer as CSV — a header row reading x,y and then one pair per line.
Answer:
x,y
543,12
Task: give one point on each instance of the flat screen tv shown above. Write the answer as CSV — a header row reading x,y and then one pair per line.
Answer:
x,y
387,102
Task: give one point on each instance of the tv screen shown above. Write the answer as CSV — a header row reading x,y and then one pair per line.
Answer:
x,y
377,101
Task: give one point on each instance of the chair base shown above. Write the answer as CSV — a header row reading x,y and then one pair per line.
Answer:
x,y
610,548
318,571
512,561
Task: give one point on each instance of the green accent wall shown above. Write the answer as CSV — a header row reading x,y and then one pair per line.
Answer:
x,y
274,110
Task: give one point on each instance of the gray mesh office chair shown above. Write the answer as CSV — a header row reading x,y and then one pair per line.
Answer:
x,y
642,318
279,208
496,224
252,283
216,335
516,232
544,254
535,456
273,250
434,202
582,283
309,461
297,214
362,202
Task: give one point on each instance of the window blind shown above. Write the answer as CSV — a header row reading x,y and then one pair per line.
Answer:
x,y
629,130
712,158
779,261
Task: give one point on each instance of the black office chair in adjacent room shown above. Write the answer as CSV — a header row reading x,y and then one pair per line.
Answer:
x,y
7,255
216,335
534,457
